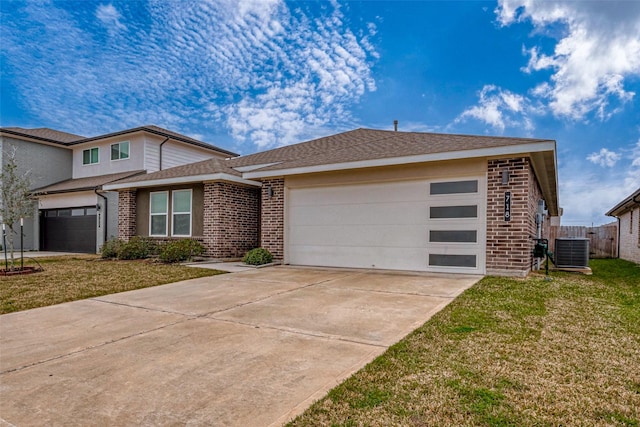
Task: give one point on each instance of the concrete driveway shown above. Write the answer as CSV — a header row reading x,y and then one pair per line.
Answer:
x,y
248,349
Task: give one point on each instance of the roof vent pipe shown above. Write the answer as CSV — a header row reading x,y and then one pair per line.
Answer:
x,y
395,125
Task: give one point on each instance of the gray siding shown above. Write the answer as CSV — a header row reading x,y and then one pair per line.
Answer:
x,y
46,165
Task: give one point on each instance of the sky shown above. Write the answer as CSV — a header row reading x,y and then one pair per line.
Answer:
x,y
249,75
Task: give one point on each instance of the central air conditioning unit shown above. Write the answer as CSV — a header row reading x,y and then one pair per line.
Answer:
x,y
572,252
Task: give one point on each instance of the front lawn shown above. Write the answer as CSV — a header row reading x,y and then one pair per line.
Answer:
x,y
78,277
508,352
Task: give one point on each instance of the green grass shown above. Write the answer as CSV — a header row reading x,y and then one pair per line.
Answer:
x,y
78,277
508,352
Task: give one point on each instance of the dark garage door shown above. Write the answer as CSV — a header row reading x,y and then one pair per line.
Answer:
x,y
69,230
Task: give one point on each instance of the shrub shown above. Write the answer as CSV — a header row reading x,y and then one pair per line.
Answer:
x,y
111,248
137,248
180,250
258,256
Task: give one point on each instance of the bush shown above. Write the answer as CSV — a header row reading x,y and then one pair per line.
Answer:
x,y
111,248
180,250
137,248
258,256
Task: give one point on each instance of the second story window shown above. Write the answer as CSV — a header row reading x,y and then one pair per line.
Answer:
x,y
90,156
120,150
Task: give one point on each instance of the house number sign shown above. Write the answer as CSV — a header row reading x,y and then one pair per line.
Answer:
x,y
507,206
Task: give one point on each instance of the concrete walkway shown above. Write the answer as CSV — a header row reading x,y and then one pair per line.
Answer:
x,y
253,348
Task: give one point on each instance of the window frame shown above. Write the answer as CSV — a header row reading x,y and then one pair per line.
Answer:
x,y
165,214
120,151
174,213
90,150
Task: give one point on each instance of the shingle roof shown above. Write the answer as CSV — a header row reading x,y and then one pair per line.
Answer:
x,y
628,203
83,184
370,144
46,134
205,167
161,132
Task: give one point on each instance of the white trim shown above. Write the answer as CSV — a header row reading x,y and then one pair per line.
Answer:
x,y
173,212
432,157
166,214
254,167
182,180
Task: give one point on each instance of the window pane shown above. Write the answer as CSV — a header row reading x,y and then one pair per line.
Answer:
x,y
158,225
182,201
91,211
86,157
77,212
94,155
51,213
181,224
452,260
115,152
124,150
64,212
454,187
453,236
159,203
454,211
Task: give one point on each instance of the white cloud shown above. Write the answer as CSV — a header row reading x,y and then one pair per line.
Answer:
x,y
604,158
269,74
599,48
500,108
110,17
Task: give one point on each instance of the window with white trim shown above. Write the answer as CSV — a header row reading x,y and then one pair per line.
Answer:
x,y
181,213
90,156
120,150
158,213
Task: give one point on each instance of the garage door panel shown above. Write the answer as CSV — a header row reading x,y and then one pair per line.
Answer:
x,y
355,194
399,213
398,225
360,235
359,257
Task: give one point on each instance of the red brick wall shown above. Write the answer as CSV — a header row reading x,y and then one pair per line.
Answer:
x,y
126,214
231,215
510,243
272,217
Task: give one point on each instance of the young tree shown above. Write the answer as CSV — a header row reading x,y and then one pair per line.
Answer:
x,y
15,199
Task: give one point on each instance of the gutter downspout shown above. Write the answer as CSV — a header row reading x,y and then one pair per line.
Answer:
x,y
106,224
160,153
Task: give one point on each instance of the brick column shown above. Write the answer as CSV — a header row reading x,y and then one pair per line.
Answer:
x,y
510,243
230,219
126,214
272,217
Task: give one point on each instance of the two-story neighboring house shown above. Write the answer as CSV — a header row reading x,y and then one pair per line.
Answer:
x,y
74,213
41,154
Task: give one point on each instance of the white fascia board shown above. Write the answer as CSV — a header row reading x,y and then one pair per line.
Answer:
x,y
181,180
391,161
254,167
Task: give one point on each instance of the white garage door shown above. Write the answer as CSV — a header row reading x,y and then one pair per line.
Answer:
x,y
417,225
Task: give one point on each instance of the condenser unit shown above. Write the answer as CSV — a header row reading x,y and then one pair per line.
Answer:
x,y
572,252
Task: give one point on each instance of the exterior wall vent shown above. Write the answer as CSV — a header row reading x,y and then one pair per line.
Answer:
x,y
572,252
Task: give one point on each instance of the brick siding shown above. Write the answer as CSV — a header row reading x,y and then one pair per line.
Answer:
x,y
126,214
272,217
629,239
231,216
510,243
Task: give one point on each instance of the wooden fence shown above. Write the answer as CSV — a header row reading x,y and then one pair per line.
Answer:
x,y
603,240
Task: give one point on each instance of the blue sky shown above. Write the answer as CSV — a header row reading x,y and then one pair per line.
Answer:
x,y
251,75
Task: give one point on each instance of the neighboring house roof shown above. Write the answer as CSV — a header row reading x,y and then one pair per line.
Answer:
x,y
84,184
207,170
627,204
157,131
43,134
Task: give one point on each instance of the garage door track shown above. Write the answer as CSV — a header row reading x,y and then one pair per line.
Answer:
x,y
250,348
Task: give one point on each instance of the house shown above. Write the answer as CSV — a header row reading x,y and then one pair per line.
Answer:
x,y
628,214
74,213
365,199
